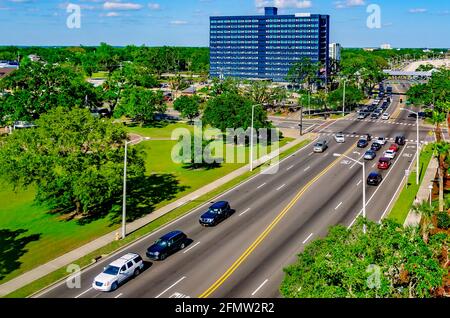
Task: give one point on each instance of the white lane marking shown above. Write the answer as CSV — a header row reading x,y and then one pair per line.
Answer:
x,y
171,286
83,293
379,187
373,166
262,185
281,187
309,155
338,206
306,240
359,182
401,185
190,248
307,168
244,212
355,163
260,286
290,168
118,295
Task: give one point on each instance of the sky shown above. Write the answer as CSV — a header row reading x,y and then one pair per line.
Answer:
x,y
401,23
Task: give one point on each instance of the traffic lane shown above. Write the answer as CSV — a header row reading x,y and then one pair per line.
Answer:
x,y
192,222
310,218
224,243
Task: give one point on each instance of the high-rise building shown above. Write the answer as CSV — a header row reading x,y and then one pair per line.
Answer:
x,y
266,46
386,46
335,51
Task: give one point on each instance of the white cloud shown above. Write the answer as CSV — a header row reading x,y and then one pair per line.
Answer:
x,y
417,10
154,6
112,14
178,22
349,4
283,4
122,6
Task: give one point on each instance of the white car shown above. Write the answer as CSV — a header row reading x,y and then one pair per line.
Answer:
x,y
340,138
385,116
381,140
129,265
389,154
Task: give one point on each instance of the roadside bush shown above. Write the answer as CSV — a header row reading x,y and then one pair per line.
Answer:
x,y
443,220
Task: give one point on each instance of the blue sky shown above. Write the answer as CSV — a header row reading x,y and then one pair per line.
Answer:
x,y
404,23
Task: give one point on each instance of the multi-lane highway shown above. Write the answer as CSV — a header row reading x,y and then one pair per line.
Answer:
x,y
275,216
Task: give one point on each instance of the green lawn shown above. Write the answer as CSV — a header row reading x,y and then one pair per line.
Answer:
x,y
30,236
405,201
100,75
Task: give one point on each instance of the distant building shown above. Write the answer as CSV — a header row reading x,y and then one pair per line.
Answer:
x,y
266,47
335,51
386,47
34,57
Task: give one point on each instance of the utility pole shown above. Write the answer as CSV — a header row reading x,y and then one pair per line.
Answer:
x,y
301,121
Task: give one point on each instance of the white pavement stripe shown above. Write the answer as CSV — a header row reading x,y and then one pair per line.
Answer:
x,y
190,248
244,212
281,187
171,286
310,154
359,182
260,286
338,206
118,295
307,168
290,168
83,293
262,185
309,236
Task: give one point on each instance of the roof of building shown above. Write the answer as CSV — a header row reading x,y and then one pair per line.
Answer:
x,y
5,71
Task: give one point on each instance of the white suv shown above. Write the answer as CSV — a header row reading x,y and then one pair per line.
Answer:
x,y
340,138
121,269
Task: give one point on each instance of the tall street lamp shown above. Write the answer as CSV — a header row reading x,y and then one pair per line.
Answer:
x,y
251,137
124,206
343,100
364,183
417,142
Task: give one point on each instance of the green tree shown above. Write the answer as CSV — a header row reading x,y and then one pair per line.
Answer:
x,y
231,110
140,104
74,159
353,96
390,261
427,213
442,155
304,72
189,107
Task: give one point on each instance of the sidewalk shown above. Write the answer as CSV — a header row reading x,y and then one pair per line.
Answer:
x,y
81,251
423,194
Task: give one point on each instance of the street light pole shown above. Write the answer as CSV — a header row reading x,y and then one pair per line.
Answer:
x,y
343,101
251,139
124,204
364,184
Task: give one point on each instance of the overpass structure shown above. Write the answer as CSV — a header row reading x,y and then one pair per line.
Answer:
x,y
408,74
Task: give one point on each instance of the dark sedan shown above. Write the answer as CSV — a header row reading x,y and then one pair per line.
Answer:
x,y
374,179
362,143
166,245
216,213
375,146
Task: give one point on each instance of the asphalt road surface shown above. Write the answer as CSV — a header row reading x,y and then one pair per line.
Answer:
x,y
276,215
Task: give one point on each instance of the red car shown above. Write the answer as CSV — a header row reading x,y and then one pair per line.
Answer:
x,y
384,163
394,147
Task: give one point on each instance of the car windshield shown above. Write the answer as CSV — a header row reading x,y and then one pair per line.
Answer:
x,y
111,270
161,242
214,211
384,160
319,145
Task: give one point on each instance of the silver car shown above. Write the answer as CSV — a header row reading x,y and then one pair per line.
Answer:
x,y
340,138
320,146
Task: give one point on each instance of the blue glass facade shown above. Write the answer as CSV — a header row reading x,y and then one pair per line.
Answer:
x,y
266,46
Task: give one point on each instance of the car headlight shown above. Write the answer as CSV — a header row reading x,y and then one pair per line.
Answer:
x,y
156,253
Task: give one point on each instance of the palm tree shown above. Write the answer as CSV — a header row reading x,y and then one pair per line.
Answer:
x,y
426,212
437,119
442,155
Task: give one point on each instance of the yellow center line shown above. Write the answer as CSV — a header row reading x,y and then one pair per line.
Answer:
x,y
266,232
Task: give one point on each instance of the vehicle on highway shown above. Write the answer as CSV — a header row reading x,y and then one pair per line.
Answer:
x,y
370,155
375,146
128,266
374,178
384,163
216,213
362,143
390,154
363,115
385,116
400,140
375,115
394,147
340,138
367,137
321,146
381,140
166,245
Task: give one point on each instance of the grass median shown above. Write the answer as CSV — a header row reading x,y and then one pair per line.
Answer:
x,y
113,246
405,201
